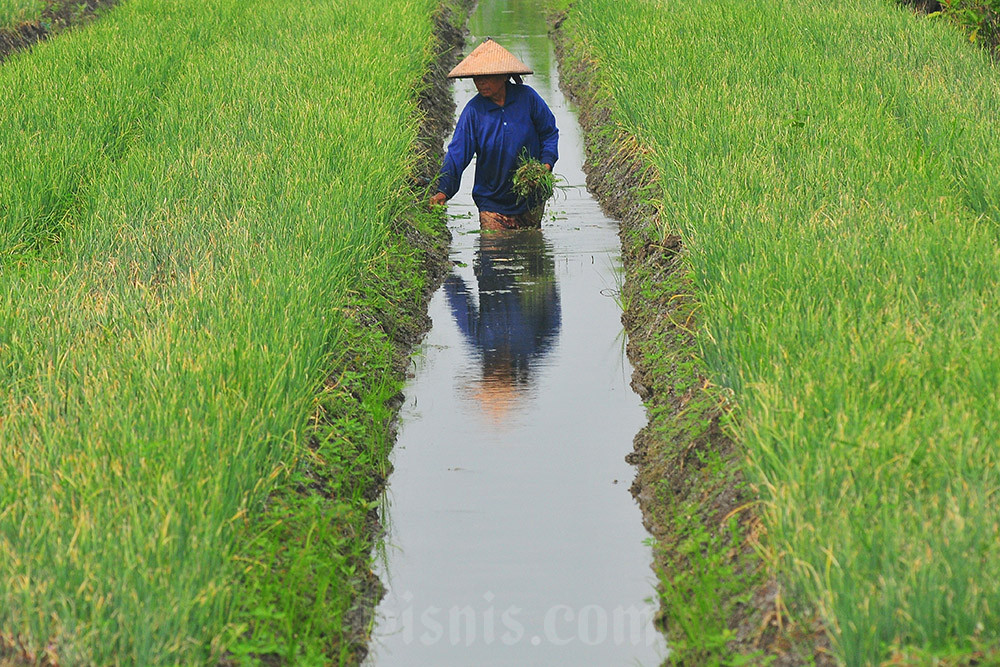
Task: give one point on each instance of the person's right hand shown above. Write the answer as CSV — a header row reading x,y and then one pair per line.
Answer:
x,y
438,200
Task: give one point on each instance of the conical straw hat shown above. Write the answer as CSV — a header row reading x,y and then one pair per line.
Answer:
x,y
486,59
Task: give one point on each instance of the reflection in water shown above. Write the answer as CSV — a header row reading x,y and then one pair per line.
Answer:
x,y
517,318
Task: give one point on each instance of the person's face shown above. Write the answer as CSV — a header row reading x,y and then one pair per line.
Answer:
x,y
490,86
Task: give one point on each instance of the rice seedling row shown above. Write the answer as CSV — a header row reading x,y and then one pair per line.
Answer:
x,y
197,201
832,171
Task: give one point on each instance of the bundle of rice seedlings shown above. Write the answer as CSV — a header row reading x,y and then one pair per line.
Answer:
x,y
533,182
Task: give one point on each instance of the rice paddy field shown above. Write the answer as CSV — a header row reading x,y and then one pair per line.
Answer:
x,y
834,172
196,201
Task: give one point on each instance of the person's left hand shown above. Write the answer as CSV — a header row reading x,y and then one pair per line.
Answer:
x,y
549,167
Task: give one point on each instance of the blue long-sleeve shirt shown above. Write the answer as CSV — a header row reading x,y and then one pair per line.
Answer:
x,y
496,136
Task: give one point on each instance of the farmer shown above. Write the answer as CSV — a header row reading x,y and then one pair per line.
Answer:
x,y
505,121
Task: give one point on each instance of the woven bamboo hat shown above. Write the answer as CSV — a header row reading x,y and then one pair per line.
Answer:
x,y
486,59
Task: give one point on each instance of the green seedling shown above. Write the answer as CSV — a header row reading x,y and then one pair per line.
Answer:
x,y
533,182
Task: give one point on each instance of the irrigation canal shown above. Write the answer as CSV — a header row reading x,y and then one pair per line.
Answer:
x,y
512,538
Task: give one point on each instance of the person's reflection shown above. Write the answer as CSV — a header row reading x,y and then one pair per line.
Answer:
x,y
517,318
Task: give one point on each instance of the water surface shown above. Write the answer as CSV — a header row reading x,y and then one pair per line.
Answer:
x,y
512,536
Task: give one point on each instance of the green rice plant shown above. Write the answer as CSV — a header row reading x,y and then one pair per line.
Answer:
x,y
833,171
193,196
13,12
533,181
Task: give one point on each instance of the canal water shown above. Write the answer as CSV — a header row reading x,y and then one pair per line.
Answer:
x,y
512,538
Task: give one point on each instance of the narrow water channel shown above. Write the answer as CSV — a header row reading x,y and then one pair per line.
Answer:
x,y
512,538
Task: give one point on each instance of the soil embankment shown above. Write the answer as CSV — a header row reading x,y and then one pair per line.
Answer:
x,y
718,599
57,15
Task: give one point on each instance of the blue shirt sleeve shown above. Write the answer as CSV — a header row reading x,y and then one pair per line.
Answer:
x,y
460,152
545,126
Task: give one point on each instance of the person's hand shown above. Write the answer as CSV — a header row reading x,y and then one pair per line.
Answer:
x,y
438,200
549,167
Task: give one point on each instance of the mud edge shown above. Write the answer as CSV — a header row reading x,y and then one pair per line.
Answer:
x,y
406,322
58,15
695,501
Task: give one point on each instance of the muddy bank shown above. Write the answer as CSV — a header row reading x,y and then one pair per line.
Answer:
x,y
719,601
57,16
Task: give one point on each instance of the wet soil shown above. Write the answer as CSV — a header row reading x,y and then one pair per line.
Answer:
x,y
687,462
57,15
